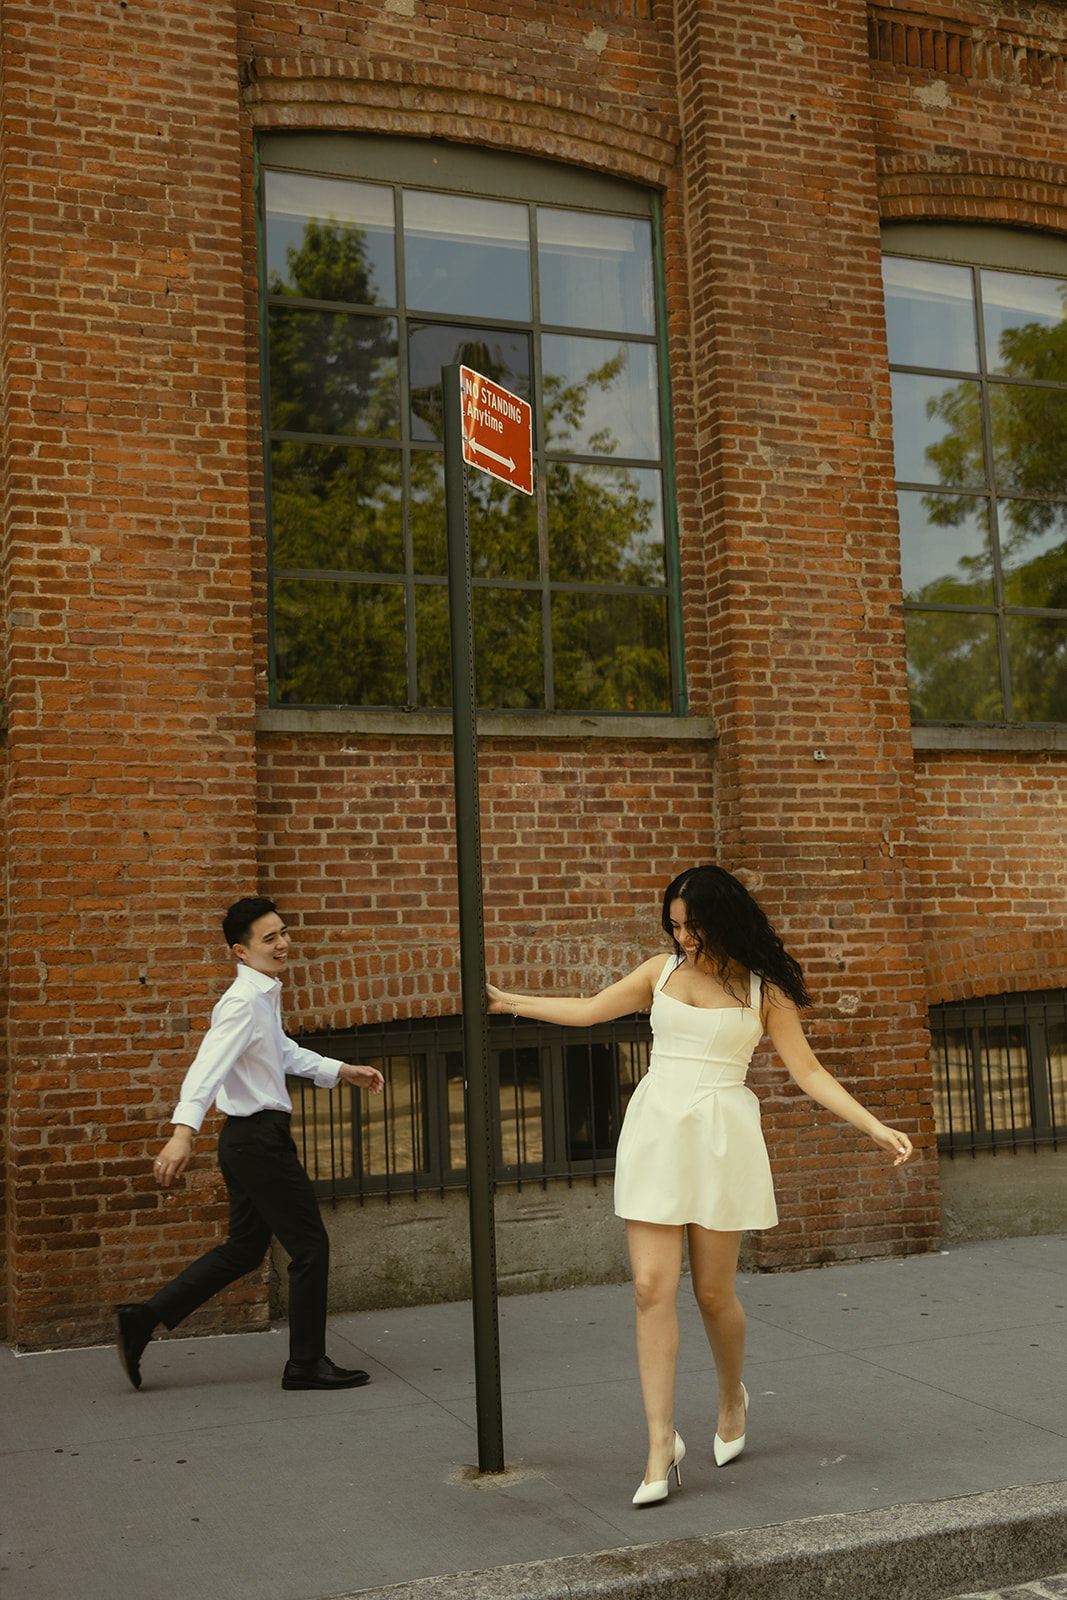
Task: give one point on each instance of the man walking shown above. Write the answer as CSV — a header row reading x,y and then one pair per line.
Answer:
x,y
241,1066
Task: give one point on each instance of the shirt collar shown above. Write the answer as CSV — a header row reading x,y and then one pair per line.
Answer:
x,y
260,981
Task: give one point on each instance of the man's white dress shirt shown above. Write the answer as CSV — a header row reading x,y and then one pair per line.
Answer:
x,y
243,1060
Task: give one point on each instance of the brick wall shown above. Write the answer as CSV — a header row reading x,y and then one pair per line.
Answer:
x,y
357,840
969,111
992,831
133,556
793,520
970,126
130,793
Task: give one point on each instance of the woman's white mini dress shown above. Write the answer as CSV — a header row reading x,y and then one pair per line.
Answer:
x,y
691,1147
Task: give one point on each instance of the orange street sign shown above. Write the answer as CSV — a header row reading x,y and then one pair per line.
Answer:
x,y
497,430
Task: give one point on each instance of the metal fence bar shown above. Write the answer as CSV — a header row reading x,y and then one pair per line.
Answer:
x,y
541,1129
1009,1097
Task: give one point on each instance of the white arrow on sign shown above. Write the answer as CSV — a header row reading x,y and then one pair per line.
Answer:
x,y
483,449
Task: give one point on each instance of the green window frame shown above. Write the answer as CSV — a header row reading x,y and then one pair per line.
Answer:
x,y
380,261
977,329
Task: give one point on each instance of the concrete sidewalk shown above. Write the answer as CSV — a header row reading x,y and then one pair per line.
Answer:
x,y
911,1384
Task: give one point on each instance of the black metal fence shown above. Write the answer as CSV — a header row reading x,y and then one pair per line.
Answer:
x,y
1000,1071
558,1100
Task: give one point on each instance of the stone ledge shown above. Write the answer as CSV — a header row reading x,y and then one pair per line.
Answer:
x,y
491,725
973,736
927,1551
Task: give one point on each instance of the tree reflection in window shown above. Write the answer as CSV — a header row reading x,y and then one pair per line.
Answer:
x,y
988,536
571,600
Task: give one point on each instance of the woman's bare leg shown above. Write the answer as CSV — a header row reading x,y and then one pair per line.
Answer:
x,y
656,1262
713,1262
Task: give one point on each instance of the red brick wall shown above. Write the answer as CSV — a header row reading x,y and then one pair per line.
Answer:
x,y
130,796
990,843
980,140
983,142
357,841
793,520
131,578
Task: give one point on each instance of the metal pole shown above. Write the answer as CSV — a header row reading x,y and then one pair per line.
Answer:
x,y
477,1101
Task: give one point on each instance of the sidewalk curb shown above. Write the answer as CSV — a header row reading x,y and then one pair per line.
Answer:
x,y
926,1551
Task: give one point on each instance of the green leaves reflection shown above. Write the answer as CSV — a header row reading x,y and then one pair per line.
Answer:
x,y
339,643
953,658
337,509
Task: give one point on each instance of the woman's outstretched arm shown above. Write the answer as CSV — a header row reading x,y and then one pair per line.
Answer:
x,y
632,993
787,1035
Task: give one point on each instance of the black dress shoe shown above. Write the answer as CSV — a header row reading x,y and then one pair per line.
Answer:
x,y
322,1374
135,1330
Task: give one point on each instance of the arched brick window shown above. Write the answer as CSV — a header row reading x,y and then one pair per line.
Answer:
x,y
382,260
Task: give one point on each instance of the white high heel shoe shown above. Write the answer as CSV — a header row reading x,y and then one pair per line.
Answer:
x,y
648,1493
728,1450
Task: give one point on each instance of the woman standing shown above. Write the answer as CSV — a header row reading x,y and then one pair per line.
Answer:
x,y
691,1155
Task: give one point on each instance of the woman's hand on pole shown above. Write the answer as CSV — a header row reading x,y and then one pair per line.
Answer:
x,y
497,1001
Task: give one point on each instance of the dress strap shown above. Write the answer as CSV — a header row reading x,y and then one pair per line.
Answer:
x,y
755,990
671,964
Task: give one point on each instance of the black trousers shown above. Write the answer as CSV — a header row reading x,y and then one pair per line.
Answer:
x,y
270,1193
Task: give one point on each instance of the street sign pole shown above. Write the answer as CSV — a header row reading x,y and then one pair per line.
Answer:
x,y
477,1101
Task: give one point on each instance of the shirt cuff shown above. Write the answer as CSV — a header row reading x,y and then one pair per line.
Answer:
x,y
189,1113
328,1075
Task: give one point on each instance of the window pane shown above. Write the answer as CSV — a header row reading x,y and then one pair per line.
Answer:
x,y
394,1126
929,309
335,508
1002,1089
329,239
428,533
333,373
609,652
1025,330
521,1130
339,644
945,548
605,524
503,523
508,649
953,1103
1056,1046
466,257
1029,438
1033,555
455,1075
1037,656
595,271
953,667
937,431
600,398
327,1141
591,1083
504,357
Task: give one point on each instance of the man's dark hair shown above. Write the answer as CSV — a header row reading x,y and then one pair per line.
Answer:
x,y
239,919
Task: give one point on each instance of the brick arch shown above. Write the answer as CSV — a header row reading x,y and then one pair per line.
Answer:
x,y
391,96
998,962
996,190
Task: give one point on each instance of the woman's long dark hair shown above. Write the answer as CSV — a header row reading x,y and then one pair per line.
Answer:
x,y
728,925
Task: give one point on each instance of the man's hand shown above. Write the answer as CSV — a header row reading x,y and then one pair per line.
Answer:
x,y
174,1156
363,1077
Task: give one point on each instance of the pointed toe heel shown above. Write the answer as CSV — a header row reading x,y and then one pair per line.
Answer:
x,y
726,1450
649,1494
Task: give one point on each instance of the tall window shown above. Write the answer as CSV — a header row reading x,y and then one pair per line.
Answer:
x,y
384,260
979,362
